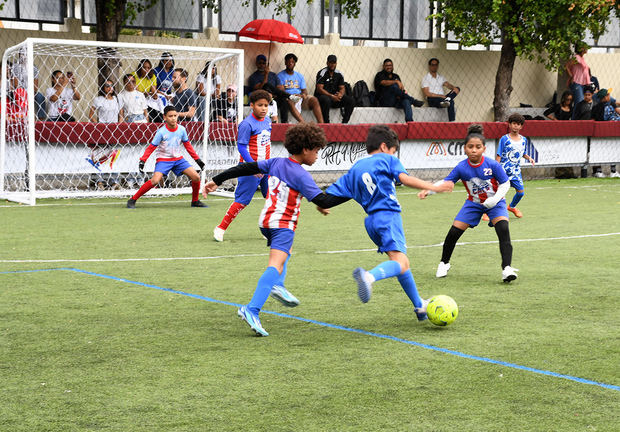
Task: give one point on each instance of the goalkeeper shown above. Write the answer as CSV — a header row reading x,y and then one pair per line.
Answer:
x,y
167,148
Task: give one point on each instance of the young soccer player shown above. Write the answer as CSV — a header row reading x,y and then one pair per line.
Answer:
x,y
167,148
254,144
486,183
370,182
288,184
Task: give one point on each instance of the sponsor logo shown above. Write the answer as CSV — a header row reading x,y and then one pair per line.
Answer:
x,y
453,148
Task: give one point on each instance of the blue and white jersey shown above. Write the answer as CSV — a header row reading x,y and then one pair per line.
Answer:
x,y
481,181
370,182
511,153
169,143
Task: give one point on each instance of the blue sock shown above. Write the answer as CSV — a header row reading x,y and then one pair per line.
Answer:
x,y
263,289
283,274
408,283
386,269
516,199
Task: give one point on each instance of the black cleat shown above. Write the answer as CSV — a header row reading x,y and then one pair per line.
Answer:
x,y
131,203
417,103
198,203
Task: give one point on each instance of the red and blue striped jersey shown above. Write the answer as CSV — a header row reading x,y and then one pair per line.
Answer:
x,y
481,181
256,134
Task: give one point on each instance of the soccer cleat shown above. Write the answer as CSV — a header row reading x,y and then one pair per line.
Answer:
x,y
417,103
485,217
294,98
614,175
509,274
198,203
364,287
281,294
442,269
218,234
131,203
421,311
515,211
246,315
599,174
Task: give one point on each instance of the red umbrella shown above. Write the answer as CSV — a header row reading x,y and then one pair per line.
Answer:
x,y
271,30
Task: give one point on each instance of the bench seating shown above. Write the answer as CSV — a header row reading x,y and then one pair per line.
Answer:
x,y
530,111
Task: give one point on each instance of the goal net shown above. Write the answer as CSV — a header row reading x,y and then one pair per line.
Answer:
x,y
77,115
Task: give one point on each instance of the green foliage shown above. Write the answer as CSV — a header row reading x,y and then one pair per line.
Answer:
x,y
351,8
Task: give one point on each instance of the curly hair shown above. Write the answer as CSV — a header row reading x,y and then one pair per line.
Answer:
x,y
257,95
304,136
516,118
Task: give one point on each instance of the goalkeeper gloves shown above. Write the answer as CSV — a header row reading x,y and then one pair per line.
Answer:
x,y
141,166
200,163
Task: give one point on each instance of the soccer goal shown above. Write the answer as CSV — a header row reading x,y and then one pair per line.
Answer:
x,y
69,128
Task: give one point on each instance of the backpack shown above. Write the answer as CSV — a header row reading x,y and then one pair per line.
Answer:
x,y
347,89
361,95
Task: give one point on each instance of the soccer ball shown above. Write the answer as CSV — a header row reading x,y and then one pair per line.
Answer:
x,y
442,310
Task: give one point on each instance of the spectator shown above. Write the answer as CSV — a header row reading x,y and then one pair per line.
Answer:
x,y
132,102
596,87
201,89
155,105
563,110
61,95
183,100
225,109
432,87
272,110
391,91
146,80
266,80
163,73
330,91
20,72
294,84
16,99
578,72
605,111
583,110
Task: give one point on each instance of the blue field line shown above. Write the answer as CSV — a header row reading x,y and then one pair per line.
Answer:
x,y
344,328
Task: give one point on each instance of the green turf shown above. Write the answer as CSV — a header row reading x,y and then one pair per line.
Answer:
x,y
79,352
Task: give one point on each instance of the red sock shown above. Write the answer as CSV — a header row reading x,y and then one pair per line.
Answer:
x,y
143,189
195,190
234,209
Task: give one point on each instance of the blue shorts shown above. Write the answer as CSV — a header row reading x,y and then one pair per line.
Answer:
x,y
246,187
176,167
471,212
279,238
517,183
385,229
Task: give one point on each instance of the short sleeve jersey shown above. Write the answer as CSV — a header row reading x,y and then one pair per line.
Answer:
x,y
256,134
288,183
370,182
169,143
481,181
294,83
164,79
331,83
511,153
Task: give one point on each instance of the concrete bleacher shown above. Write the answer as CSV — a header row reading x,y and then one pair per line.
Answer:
x,y
529,111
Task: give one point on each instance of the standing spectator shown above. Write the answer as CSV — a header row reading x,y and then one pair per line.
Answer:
x,y
61,95
225,110
294,84
391,91
330,91
146,81
563,110
583,110
264,79
183,100
163,73
605,111
432,87
20,72
201,89
132,102
578,72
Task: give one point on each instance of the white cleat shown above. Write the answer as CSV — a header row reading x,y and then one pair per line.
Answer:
x,y
599,175
218,234
442,269
509,274
614,175
364,284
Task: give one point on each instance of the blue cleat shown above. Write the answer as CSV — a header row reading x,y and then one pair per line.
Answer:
x,y
421,311
246,315
364,288
281,294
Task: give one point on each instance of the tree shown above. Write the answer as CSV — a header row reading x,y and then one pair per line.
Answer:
x,y
543,31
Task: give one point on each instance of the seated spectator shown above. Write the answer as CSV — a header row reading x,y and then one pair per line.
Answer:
x,y
272,111
390,91
201,89
432,87
146,80
294,84
20,72
583,110
266,80
163,74
225,109
563,110
61,96
605,111
155,105
330,91
132,102
596,87
183,100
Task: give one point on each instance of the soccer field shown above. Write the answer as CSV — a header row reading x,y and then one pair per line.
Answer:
x,y
125,320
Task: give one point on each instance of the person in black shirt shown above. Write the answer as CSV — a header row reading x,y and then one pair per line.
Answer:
x,y
563,110
583,110
391,91
225,109
330,91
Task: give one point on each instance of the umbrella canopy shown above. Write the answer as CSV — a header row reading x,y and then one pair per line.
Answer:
x,y
271,30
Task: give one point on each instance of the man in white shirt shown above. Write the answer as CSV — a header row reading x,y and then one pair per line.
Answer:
x,y
432,87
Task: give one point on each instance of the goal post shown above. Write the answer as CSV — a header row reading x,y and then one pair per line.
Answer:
x,y
71,126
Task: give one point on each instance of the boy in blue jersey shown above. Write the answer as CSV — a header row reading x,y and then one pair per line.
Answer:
x,y
167,148
370,182
486,183
254,144
288,182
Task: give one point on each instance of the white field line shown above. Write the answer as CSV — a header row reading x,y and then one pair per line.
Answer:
x,y
120,203
266,254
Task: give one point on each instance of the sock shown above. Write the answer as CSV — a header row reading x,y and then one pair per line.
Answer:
x,y
505,247
385,270
450,242
283,274
408,283
195,190
143,189
231,214
263,289
516,199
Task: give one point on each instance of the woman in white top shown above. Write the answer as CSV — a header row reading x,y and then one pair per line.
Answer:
x,y
105,105
61,96
201,89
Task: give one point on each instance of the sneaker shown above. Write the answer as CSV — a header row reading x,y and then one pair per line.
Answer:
x,y
442,269
509,274
599,174
417,103
218,234
364,287
614,175
485,217
198,203
294,98
445,103
131,203
246,315
281,294
515,211
421,311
